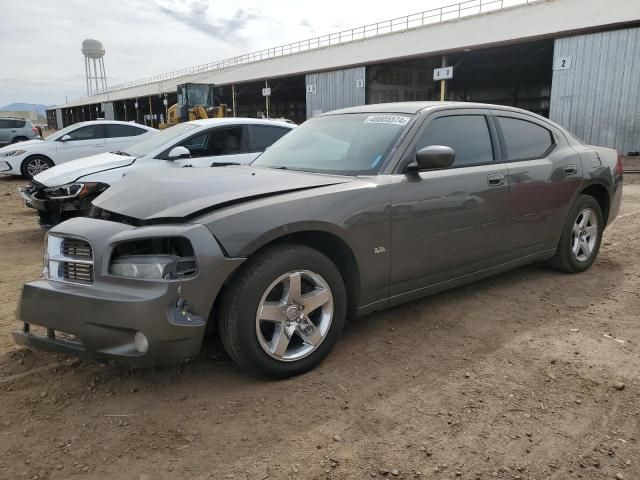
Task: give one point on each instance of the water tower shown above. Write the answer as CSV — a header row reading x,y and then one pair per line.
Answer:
x,y
93,52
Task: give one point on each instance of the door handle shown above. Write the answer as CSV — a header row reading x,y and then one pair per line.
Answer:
x,y
495,180
570,170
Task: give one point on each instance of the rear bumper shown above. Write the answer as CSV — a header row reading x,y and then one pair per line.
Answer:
x,y
615,200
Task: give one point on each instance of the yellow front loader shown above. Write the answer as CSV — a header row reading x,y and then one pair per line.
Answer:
x,y
195,101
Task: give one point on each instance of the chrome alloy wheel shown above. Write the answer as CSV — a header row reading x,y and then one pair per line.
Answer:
x,y
294,315
36,165
585,235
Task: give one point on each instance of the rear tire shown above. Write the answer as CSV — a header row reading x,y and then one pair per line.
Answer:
x,y
35,164
581,237
283,312
19,139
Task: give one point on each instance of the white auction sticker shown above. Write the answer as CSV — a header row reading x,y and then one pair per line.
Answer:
x,y
388,119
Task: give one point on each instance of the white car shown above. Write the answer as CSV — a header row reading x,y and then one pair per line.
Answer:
x,y
67,190
75,141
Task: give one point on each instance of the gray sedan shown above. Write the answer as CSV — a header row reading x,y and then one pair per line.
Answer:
x,y
355,211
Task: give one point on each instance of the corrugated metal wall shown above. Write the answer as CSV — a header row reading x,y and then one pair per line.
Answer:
x,y
328,91
107,110
598,96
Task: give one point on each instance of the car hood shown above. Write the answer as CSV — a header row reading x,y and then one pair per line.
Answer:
x,y
76,169
188,192
26,145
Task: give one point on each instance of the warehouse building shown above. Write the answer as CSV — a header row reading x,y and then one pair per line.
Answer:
x,y
575,61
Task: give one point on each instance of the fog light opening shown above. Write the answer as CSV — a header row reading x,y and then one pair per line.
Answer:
x,y
141,343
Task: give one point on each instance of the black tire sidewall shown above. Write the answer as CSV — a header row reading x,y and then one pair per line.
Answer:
x,y
248,296
584,201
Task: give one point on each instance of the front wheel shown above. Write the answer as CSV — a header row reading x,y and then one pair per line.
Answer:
x,y
581,237
283,312
35,164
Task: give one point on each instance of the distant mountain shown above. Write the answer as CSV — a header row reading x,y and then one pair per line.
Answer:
x,y
26,107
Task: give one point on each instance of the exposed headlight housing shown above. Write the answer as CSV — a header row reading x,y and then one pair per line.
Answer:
x,y
73,190
165,267
12,153
154,259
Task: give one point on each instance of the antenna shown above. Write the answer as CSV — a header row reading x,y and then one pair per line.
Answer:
x,y
96,75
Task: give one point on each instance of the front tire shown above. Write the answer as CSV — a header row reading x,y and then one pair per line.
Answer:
x,y
283,312
581,237
33,165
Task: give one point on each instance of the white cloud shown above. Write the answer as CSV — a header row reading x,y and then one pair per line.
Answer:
x,y
41,62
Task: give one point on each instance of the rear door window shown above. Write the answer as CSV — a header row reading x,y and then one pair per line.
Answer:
x,y
263,136
117,131
525,140
468,135
11,123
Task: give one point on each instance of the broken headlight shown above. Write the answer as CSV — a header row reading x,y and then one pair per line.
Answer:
x,y
73,190
154,259
167,267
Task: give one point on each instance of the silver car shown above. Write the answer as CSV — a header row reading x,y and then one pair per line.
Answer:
x,y
13,130
354,211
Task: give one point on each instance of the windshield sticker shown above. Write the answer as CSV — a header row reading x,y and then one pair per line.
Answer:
x,y
388,119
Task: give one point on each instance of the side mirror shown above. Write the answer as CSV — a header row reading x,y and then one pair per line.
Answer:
x,y
65,138
433,157
179,152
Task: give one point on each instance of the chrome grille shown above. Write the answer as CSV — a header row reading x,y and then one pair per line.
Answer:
x,y
69,260
77,272
72,247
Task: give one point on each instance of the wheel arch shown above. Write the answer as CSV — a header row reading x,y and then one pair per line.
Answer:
x,y
23,163
319,237
601,194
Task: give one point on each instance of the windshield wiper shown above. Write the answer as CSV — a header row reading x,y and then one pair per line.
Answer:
x,y
224,164
120,152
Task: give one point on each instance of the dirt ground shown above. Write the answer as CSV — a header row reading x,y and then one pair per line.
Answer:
x,y
513,377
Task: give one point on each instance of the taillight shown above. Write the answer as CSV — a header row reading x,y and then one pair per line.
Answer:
x,y
618,170
34,129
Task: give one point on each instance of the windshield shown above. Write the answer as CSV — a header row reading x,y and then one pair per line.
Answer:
x,y
154,142
349,144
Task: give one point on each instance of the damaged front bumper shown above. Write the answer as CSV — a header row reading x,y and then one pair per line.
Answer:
x,y
135,321
52,212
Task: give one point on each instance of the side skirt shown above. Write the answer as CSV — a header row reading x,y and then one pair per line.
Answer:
x,y
453,283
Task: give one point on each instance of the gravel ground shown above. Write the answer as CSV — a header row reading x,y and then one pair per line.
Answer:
x,y
531,374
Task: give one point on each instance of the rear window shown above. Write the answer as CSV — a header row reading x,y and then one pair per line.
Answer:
x,y
525,140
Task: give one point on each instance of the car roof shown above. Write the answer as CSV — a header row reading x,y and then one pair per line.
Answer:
x,y
415,107
15,118
112,122
242,121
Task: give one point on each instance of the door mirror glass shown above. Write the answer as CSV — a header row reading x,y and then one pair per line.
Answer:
x,y
434,156
65,138
179,152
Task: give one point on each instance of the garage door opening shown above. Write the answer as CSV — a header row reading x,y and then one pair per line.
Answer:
x,y
516,75
288,99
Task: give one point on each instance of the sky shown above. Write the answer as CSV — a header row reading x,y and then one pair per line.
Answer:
x,y
40,40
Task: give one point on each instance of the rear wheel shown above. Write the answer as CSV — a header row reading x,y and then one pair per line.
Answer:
x,y
19,139
581,237
283,313
35,164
